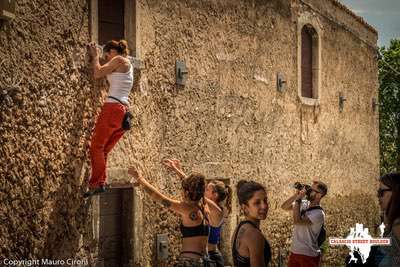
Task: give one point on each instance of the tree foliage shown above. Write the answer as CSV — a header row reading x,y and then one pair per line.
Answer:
x,y
389,108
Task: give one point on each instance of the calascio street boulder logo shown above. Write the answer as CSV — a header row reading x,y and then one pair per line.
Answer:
x,y
360,241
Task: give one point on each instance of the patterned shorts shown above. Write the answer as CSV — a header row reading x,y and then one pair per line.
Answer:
x,y
188,262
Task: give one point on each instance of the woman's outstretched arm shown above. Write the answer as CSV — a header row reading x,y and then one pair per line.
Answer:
x,y
175,166
214,209
156,195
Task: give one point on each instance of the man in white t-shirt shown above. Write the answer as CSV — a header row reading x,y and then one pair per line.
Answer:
x,y
308,219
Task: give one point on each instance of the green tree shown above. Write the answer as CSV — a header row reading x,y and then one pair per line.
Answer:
x,y
389,108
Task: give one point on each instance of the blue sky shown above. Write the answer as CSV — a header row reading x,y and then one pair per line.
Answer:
x,y
383,15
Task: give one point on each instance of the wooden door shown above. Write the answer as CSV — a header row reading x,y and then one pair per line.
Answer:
x,y
116,224
111,20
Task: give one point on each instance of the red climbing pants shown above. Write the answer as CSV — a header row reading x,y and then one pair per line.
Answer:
x,y
106,134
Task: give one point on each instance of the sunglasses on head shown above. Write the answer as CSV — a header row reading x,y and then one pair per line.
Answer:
x,y
381,191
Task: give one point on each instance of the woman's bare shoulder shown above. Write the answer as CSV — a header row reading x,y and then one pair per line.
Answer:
x,y
247,231
120,60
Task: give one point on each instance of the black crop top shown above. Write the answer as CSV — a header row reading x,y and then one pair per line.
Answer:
x,y
191,231
240,261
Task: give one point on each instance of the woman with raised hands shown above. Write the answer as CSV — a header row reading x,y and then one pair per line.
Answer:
x,y
218,197
193,227
108,130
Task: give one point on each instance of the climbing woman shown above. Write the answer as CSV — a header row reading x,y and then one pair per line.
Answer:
x,y
108,130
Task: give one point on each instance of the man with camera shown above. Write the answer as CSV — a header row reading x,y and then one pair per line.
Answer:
x,y
308,220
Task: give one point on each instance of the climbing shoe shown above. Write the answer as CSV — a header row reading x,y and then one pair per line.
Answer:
x,y
95,191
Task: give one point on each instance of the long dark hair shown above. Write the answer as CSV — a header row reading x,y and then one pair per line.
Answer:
x,y
392,180
224,192
246,189
194,185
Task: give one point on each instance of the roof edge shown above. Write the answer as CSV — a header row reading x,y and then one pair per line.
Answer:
x,y
350,12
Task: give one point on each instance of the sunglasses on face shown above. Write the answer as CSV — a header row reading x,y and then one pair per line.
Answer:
x,y
381,191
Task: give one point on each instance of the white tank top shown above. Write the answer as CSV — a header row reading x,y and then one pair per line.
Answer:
x,y
120,85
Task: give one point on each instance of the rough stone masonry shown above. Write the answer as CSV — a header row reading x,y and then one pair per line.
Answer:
x,y
228,121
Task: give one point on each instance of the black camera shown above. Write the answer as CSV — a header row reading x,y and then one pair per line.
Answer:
x,y
300,186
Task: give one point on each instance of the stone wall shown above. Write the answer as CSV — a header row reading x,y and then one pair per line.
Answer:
x,y
228,121
47,109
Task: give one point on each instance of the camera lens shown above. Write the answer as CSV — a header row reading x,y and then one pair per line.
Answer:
x,y
298,186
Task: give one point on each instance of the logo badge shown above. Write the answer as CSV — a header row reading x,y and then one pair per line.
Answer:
x,y
359,240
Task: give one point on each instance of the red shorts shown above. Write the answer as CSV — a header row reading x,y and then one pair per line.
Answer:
x,y
298,260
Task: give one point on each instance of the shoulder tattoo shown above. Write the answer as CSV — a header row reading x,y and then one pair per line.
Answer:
x,y
193,215
239,236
